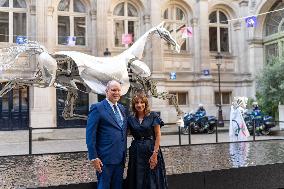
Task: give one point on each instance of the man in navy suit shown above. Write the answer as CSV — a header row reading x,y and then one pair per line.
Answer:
x,y
106,138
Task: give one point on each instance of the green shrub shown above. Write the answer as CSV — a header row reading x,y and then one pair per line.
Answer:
x,y
270,86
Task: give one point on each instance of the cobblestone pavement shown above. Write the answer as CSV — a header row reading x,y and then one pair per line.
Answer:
x,y
68,140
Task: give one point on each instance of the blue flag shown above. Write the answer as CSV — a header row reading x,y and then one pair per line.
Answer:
x,y
173,75
21,39
251,21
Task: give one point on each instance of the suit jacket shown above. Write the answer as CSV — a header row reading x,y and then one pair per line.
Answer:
x,y
104,137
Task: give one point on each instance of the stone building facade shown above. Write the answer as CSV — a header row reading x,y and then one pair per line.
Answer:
x,y
217,25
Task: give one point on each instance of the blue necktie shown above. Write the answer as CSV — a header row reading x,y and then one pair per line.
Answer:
x,y
117,116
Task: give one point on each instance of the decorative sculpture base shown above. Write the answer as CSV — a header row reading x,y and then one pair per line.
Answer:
x,y
224,165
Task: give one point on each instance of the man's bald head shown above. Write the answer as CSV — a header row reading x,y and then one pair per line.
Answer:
x,y
113,91
112,82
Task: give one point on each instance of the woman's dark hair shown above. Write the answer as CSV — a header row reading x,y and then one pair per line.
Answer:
x,y
144,99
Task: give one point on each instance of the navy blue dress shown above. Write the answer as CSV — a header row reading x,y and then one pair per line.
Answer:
x,y
139,174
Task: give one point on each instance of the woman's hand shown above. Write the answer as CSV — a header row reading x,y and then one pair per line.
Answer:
x,y
153,160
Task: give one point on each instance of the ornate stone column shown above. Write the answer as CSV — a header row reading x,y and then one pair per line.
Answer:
x,y
43,100
51,27
204,91
33,21
102,20
243,47
93,98
203,32
256,59
157,54
196,44
92,36
237,43
147,50
92,43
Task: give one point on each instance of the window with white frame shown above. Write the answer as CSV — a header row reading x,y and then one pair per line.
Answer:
x,y
175,18
218,32
181,98
125,22
13,20
225,97
72,15
274,32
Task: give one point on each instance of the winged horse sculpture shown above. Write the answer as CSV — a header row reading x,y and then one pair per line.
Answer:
x,y
67,69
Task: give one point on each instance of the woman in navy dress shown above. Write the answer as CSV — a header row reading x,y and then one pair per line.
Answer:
x,y
146,167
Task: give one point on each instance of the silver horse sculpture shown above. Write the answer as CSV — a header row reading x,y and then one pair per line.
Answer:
x,y
68,69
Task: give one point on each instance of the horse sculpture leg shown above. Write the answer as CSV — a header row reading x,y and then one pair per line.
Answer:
x,y
21,83
148,85
68,112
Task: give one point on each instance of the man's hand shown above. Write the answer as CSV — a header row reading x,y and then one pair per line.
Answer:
x,y
97,164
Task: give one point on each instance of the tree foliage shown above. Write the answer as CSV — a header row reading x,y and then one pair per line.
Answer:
x,y
270,86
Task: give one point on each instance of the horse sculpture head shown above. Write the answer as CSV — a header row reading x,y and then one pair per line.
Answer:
x,y
9,55
166,35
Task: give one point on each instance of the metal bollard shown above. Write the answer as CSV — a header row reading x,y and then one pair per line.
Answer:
x,y
217,130
254,130
30,140
189,134
179,135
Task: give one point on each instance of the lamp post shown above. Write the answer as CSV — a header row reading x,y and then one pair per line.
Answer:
x,y
220,116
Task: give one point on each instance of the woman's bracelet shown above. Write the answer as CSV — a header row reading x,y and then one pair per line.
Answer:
x,y
155,151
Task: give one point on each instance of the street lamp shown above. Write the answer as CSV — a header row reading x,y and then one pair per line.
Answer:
x,y
220,116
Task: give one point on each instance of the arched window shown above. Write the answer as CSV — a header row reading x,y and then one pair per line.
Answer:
x,y
13,20
175,18
72,17
126,21
274,21
218,32
274,32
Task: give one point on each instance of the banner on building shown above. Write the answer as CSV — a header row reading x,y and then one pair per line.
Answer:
x,y
21,39
251,21
186,32
206,72
127,39
173,75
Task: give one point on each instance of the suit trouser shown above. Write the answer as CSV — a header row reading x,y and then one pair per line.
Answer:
x,y
111,176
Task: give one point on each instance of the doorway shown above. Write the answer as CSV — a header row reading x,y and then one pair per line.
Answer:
x,y
14,109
